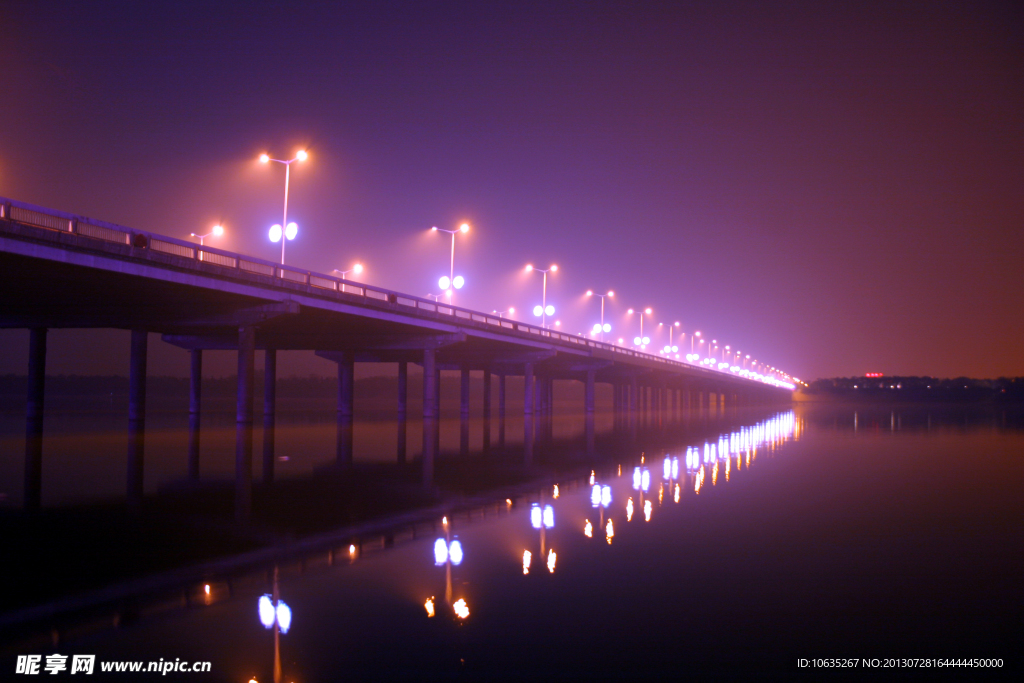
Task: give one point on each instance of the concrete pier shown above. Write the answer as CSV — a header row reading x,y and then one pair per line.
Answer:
x,y
269,412
136,416
34,418
243,423
195,400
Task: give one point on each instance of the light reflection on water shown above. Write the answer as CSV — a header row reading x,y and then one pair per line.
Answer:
x,y
505,582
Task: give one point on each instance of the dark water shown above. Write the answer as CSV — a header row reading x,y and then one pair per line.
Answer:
x,y
805,533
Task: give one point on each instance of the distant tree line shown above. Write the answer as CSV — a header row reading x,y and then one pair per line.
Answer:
x,y
900,388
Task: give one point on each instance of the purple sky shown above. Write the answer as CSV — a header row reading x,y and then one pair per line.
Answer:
x,y
835,191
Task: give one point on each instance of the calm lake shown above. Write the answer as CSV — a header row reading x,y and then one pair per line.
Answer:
x,y
724,546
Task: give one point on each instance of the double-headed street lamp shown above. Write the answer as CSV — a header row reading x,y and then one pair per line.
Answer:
x,y
451,282
641,341
672,348
289,230
603,328
357,269
509,311
543,311
216,231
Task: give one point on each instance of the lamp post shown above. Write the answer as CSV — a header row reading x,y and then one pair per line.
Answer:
x,y
544,312
510,311
451,274
611,294
671,348
217,231
641,341
290,229
357,268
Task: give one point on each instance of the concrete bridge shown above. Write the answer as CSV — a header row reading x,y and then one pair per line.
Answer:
x,y
59,270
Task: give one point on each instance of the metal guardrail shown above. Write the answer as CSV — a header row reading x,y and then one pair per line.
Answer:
x,y
48,219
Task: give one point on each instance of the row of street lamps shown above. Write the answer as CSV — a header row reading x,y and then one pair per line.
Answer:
x,y
448,284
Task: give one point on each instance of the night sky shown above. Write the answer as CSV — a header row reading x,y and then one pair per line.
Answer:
x,y
835,190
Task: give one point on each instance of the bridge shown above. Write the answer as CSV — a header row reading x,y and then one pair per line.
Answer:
x,y
59,270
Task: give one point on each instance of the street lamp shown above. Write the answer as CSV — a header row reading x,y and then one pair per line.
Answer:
x,y
217,231
357,269
290,229
672,348
510,311
453,281
641,341
543,310
603,328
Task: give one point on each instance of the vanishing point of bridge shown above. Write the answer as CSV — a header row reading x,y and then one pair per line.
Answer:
x,y
63,271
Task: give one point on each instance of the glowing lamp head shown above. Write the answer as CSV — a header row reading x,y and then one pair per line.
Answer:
x,y
607,327
696,334
590,293
677,323
646,341
554,268
597,327
357,268
291,230
433,228
637,340
647,310
275,233
528,268
630,311
266,608
458,282
536,516
444,282
464,227
284,616
549,516
550,310
538,311
611,293
218,230
440,551
301,155
264,158
511,310
606,496
675,348
455,552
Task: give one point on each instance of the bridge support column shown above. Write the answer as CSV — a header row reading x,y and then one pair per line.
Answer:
x,y
269,412
528,398
632,390
589,401
403,398
243,423
346,399
136,416
501,411
195,397
464,411
437,408
429,415
675,403
487,409
34,418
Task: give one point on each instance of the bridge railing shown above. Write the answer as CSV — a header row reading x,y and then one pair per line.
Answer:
x,y
48,219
